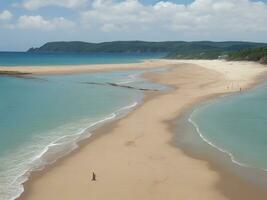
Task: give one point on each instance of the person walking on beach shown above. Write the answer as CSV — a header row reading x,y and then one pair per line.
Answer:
x,y
93,177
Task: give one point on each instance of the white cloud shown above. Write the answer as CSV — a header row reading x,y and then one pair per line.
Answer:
x,y
163,20
115,16
36,4
38,22
5,15
206,17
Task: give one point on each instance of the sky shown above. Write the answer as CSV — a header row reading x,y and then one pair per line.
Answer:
x,y
31,23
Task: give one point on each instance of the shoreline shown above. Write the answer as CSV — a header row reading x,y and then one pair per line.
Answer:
x,y
230,164
210,143
101,132
96,133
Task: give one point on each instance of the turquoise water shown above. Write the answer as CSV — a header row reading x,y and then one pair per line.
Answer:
x,y
40,59
237,126
43,118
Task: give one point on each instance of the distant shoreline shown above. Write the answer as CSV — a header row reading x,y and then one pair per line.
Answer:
x,y
75,69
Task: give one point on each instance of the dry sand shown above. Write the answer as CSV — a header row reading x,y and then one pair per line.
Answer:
x,y
133,158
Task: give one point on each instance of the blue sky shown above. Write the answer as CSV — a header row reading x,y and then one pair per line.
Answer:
x,y
31,23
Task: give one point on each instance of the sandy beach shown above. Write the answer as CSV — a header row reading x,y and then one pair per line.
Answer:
x,y
134,158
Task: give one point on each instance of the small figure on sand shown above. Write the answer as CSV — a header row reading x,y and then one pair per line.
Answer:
x,y
93,177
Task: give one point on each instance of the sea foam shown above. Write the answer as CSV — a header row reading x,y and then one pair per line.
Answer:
x,y
31,159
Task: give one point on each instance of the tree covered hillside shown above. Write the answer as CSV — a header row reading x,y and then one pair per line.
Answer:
x,y
255,54
174,49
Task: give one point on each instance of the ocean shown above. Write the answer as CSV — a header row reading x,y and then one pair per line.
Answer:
x,y
231,131
41,59
42,118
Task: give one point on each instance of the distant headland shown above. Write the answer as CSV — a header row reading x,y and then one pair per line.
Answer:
x,y
232,50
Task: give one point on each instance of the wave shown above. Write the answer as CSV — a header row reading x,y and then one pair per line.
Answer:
x,y
12,179
130,79
231,156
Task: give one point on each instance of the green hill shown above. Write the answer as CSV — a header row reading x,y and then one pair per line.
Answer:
x,y
174,49
254,54
108,47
